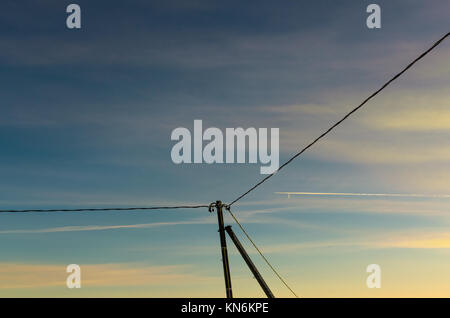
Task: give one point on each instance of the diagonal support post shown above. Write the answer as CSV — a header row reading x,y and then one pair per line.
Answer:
x,y
249,262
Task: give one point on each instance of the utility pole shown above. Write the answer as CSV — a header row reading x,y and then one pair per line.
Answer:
x,y
249,262
223,244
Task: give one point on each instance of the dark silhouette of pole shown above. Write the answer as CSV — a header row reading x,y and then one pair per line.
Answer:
x,y
223,244
249,262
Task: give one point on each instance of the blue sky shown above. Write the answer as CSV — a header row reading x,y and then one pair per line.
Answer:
x,y
86,117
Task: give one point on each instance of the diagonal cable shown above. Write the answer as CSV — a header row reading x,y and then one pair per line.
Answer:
x,y
343,119
259,251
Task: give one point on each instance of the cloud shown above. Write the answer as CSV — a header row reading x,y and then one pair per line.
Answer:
x,y
83,228
412,240
412,111
419,120
408,126
23,275
427,242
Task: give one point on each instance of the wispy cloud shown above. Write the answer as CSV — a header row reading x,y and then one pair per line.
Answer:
x,y
407,240
83,228
23,275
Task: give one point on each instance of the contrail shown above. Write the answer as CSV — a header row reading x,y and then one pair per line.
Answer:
x,y
399,195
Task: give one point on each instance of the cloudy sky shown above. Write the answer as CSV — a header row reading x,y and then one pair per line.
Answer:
x,y
86,118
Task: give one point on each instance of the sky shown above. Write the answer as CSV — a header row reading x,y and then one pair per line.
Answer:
x,y
87,115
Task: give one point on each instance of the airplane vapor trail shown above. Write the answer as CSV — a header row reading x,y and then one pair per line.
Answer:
x,y
368,194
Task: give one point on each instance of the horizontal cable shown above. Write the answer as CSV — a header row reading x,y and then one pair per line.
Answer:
x,y
108,209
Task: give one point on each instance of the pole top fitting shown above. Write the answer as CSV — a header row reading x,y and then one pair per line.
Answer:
x,y
212,206
217,204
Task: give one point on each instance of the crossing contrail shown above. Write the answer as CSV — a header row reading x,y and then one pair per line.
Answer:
x,y
399,195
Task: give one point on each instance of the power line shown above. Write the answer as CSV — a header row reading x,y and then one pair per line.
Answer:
x,y
227,207
341,120
157,208
107,209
